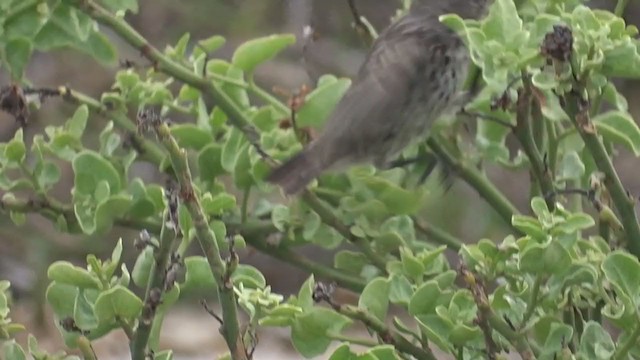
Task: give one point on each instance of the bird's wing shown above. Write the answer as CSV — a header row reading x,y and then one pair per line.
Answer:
x,y
370,109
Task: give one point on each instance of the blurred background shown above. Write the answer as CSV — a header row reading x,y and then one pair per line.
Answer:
x,y
26,251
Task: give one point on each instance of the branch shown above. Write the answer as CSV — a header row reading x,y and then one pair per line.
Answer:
x,y
387,335
488,320
363,28
352,283
328,217
621,199
438,235
230,328
525,136
156,287
621,5
478,181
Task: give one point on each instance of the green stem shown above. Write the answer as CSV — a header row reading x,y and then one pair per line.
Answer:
x,y
485,188
147,149
230,327
621,199
621,5
257,240
523,131
84,345
354,340
328,217
438,235
389,336
245,204
156,283
533,302
270,99
519,341
631,341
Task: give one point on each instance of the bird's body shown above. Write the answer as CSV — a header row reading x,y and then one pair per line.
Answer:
x,y
412,75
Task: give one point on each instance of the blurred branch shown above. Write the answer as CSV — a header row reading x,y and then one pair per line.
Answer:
x,y
621,5
438,235
485,188
362,26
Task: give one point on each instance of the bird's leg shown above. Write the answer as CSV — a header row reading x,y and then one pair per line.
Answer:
x,y
431,161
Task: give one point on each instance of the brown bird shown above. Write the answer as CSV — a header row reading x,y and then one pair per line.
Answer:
x,y
412,75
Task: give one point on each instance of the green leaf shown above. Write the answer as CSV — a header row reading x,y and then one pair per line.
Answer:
x,y
13,351
66,273
539,207
17,53
49,175
412,267
210,44
235,144
436,329
350,261
209,162
254,52
529,226
120,5
218,204
78,122
619,127
544,80
556,339
571,166
15,151
375,298
100,48
398,201
117,302
309,332
503,21
311,226
61,297
142,268
550,259
321,102
400,290
198,273
18,218
427,297
191,137
280,216
622,60
110,210
83,314
595,342
249,276
623,270
90,168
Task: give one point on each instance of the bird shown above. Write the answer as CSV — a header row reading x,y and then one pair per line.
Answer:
x,y
412,75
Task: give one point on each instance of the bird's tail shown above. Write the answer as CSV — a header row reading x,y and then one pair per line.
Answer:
x,y
296,173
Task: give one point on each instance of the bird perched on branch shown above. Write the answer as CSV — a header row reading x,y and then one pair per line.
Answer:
x,y
412,75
